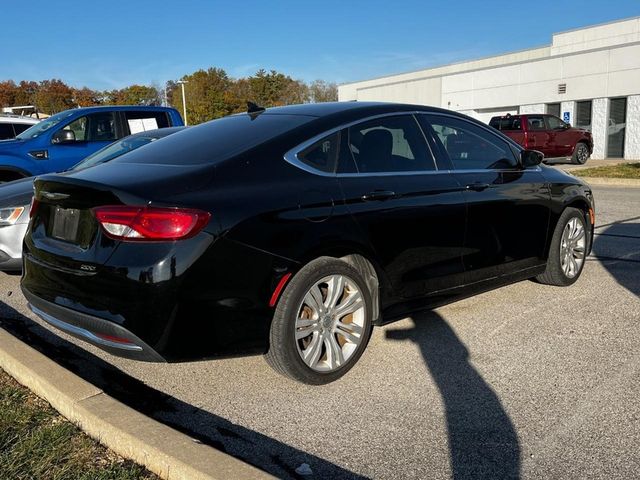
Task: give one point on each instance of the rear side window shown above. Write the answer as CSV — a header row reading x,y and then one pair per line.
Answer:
x,y
469,146
389,144
141,121
6,131
506,123
215,141
323,154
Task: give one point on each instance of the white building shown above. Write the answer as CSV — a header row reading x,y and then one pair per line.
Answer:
x,y
590,76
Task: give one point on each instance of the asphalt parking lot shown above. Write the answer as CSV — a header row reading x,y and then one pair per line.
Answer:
x,y
526,381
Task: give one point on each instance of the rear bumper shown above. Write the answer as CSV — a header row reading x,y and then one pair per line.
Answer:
x,y
11,237
99,332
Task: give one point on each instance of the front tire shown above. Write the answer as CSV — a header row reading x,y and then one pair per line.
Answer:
x,y
568,249
580,154
322,323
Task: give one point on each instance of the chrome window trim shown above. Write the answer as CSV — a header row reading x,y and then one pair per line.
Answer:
x,y
291,156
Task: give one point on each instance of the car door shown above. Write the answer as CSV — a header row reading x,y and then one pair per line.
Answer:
x,y
537,135
561,137
508,206
90,133
411,214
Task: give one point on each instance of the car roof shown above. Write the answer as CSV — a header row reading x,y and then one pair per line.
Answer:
x,y
157,133
331,108
119,108
8,118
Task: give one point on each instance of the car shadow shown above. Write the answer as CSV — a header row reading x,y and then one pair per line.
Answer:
x,y
617,248
483,442
262,451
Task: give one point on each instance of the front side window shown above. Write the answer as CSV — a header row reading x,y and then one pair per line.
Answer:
x,y
323,154
79,128
555,123
97,127
470,146
389,144
535,122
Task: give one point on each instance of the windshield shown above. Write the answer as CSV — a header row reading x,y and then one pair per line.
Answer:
x,y
41,127
112,151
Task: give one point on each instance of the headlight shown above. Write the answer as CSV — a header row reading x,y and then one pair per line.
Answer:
x,y
9,216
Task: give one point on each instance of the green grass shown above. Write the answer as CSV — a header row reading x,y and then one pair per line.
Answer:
x,y
37,443
624,170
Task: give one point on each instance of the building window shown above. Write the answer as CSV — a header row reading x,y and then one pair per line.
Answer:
x,y
583,115
553,109
616,127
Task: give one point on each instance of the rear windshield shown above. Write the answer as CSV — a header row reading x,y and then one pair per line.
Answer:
x,y
215,141
506,123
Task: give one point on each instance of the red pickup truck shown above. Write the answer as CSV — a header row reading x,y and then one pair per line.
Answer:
x,y
547,134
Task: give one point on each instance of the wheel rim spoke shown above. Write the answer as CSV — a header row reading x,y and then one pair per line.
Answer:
x,y
349,305
313,351
335,288
304,332
334,352
351,332
313,299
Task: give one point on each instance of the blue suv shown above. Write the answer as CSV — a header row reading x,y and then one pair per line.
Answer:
x,y
62,140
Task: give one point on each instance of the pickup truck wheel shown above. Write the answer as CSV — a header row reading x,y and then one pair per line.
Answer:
x,y
580,154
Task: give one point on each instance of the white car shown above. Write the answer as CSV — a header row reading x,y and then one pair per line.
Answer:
x,y
12,125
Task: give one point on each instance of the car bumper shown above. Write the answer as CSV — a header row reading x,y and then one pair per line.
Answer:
x,y
11,237
99,332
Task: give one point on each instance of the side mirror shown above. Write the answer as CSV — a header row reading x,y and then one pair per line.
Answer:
x,y
567,126
63,136
531,158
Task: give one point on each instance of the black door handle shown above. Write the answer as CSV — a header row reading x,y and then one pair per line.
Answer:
x,y
378,195
478,187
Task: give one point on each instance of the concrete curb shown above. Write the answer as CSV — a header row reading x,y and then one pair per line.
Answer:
x,y
163,450
620,182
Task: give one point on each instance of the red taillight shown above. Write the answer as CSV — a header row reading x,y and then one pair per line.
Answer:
x,y
33,207
150,223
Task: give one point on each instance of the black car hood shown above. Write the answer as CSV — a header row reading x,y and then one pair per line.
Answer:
x,y
16,193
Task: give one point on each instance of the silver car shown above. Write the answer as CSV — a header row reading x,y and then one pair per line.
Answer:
x,y
15,197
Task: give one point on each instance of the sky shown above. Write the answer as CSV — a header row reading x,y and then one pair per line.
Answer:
x,y
108,44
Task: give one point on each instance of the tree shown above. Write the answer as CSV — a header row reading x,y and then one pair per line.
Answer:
x,y
205,93
53,96
321,91
8,90
133,95
275,89
25,93
85,97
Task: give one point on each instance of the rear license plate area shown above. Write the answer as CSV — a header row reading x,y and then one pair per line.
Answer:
x,y
65,224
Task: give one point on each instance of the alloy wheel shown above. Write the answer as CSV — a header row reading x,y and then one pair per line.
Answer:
x,y
330,323
572,248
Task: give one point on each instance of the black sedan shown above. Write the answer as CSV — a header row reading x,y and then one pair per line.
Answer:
x,y
292,231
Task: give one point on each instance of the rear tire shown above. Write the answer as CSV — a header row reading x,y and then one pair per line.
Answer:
x,y
569,246
322,323
580,154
